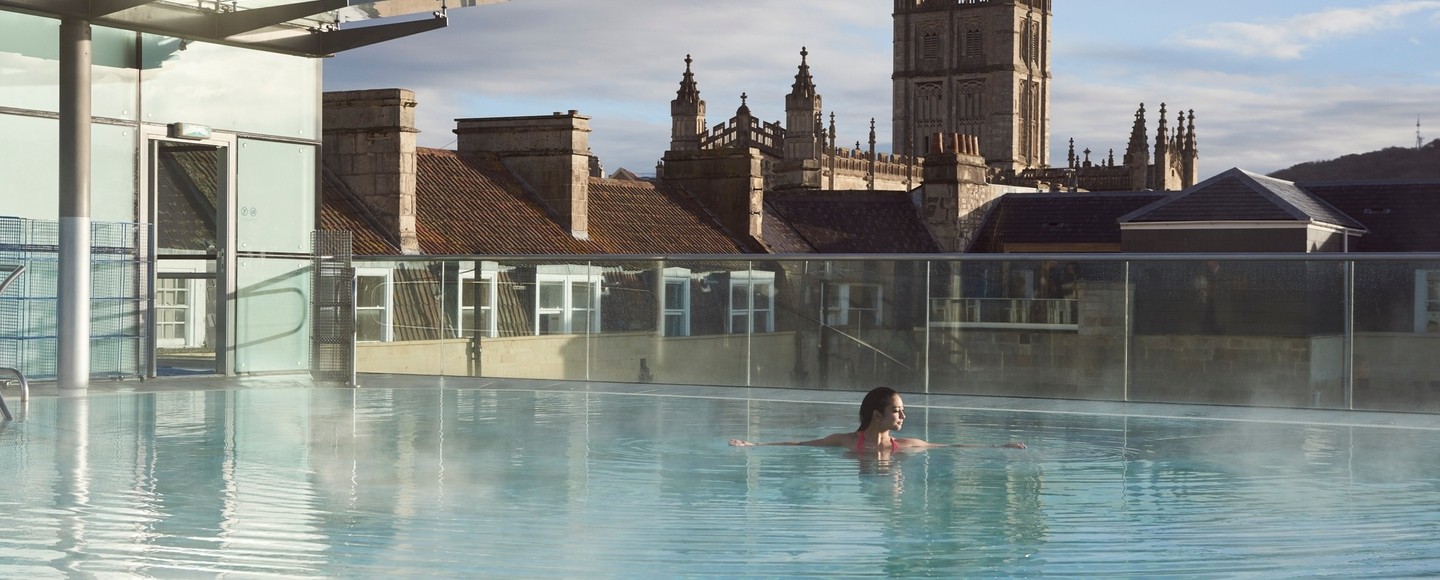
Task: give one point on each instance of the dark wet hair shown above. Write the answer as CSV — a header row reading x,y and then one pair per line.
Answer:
x,y
875,400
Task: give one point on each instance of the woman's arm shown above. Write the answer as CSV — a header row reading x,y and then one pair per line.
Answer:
x,y
832,440
926,444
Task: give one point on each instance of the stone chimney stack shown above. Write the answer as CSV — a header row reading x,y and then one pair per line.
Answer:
x,y
551,154
954,193
369,142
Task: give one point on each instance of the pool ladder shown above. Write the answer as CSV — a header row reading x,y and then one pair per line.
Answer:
x,y
15,272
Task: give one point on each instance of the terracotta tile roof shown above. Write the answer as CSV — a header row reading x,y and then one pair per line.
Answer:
x,y
846,222
1058,219
341,211
1400,216
470,204
1238,195
642,217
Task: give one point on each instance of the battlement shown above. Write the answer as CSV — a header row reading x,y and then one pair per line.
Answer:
x,y
745,131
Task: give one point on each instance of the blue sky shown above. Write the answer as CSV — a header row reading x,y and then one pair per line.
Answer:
x,y
1272,82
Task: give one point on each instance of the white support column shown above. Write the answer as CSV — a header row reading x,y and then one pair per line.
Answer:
x,y
73,288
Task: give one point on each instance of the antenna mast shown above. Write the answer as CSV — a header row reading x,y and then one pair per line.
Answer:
x,y
1419,140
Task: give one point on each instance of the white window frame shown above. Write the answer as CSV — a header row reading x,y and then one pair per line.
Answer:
x,y
387,309
487,277
676,277
567,276
839,313
750,280
183,293
197,322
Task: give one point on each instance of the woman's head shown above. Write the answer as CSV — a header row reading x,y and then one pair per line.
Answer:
x,y
875,401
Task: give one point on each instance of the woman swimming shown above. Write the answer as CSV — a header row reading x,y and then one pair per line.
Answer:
x,y
881,412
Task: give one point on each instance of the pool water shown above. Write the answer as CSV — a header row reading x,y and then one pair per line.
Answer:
x,y
445,482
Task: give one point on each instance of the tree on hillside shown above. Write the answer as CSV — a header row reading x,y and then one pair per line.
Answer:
x,y
1388,163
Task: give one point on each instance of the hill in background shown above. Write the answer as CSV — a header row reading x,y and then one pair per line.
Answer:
x,y
1388,163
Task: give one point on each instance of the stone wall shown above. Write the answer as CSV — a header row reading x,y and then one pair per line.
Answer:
x,y
550,154
611,357
728,181
369,142
1397,372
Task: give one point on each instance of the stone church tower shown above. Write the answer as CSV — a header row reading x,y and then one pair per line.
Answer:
x,y
974,67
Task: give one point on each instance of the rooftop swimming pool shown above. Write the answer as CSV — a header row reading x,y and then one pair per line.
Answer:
x,y
471,478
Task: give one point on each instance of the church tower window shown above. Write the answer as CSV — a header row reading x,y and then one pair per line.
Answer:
x,y
1034,28
931,46
974,41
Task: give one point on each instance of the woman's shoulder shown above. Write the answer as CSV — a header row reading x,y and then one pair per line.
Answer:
x,y
910,442
841,439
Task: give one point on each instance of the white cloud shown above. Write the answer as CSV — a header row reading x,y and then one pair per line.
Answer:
x,y
620,63
1290,38
1258,123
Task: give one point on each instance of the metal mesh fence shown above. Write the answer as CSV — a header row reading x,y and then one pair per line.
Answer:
x,y
332,305
29,307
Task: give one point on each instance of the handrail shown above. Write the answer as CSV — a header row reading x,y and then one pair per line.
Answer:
x,y
24,384
15,272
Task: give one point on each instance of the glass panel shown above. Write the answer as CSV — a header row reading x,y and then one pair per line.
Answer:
x,y
1210,331
30,59
1397,336
112,160
580,295
551,323
273,315
740,296
369,325
214,85
370,292
31,187
552,295
188,179
276,202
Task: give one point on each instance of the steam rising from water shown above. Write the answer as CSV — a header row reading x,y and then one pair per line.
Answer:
x,y
443,482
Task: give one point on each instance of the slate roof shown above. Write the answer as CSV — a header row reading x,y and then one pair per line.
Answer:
x,y
844,222
1400,215
469,204
1238,195
1054,219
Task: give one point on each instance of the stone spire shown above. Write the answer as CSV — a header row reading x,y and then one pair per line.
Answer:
x,y
687,114
804,87
1138,142
1191,147
1190,151
1162,134
803,139
1137,154
870,166
1179,130
689,92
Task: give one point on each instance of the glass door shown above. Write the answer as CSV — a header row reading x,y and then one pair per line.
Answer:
x,y
188,184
